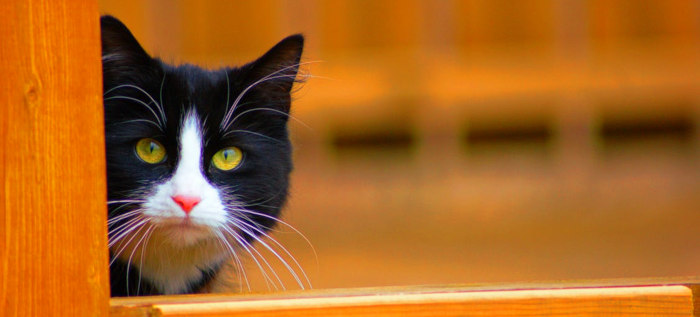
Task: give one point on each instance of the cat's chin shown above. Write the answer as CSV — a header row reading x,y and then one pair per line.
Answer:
x,y
183,231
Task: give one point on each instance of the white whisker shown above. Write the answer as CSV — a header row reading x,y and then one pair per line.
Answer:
x,y
240,270
125,201
113,220
225,123
251,132
261,232
131,256
244,244
115,233
139,226
236,223
277,220
159,105
148,233
228,90
138,120
160,124
162,82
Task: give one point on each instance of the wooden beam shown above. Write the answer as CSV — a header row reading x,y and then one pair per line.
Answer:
x,y
534,300
53,245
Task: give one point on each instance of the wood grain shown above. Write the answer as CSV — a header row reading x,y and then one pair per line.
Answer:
x,y
52,173
563,300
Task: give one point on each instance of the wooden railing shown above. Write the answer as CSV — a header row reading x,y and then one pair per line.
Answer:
x,y
53,221
623,298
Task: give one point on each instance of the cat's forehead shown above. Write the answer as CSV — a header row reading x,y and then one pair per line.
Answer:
x,y
193,79
188,88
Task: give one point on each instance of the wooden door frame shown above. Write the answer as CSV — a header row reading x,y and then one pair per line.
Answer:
x,y
52,166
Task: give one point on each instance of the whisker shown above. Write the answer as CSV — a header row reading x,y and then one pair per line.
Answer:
x,y
277,220
116,219
238,265
271,110
235,222
115,232
251,132
280,191
125,201
131,256
245,245
138,120
148,233
120,233
224,123
162,82
160,124
245,217
160,108
238,240
285,251
115,210
125,245
253,251
116,235
228,89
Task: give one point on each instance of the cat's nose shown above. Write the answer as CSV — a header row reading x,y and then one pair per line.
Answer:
x,y
186,202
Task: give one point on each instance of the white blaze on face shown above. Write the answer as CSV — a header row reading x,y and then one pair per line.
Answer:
x,y
188,181
182,242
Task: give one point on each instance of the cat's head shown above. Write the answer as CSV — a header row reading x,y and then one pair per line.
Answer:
x,y
195,154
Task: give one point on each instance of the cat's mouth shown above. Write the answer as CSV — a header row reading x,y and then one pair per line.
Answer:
x,y
183,230
184,223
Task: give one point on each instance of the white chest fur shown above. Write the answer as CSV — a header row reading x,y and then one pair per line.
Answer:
x,y
172,269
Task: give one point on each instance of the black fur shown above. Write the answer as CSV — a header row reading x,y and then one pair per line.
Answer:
x,y
262,179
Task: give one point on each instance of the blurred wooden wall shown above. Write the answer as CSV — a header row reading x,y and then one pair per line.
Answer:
x,y
463,55
474,141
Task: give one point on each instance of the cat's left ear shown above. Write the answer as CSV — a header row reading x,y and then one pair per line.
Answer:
x,y
276,71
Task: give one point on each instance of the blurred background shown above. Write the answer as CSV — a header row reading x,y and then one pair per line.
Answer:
x,y
479,141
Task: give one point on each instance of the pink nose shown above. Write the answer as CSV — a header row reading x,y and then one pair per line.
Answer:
x,y
186,202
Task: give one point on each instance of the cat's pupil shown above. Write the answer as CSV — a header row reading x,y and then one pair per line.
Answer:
x,y
152,147
226,154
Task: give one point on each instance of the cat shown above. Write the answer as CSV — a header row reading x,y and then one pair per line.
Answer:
x,y
198,163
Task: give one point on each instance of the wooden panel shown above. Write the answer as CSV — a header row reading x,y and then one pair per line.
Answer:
x,y
52,173
561,300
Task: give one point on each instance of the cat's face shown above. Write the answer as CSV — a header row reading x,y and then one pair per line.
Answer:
x,y
198,161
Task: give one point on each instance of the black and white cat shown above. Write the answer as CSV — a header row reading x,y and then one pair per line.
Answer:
x,y
198,162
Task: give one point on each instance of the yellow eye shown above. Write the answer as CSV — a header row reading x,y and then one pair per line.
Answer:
x,y
227,159
150,151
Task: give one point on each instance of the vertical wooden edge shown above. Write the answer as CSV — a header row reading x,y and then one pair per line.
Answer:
x,y
695,289
53,251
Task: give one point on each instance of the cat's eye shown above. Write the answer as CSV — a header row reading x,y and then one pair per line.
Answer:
x,y
227,158
150,151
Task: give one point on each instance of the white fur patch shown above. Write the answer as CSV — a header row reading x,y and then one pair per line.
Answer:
x,y
180,242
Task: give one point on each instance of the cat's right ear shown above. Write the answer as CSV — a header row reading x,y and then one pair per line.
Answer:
x,y
119,47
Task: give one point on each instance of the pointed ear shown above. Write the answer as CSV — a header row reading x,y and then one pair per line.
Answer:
x,y
277,69
119,47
